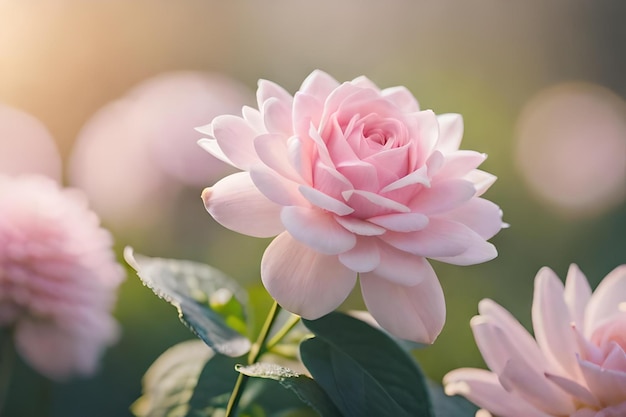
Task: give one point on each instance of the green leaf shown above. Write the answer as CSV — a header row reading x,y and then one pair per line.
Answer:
x,y
445,405
307,390
363,370
169,383
195,289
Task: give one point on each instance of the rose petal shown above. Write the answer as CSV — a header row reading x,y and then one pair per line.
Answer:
x,y
319,85
606,299
272,149
480,215
317,229
518,378
442,196
401,222
236,203
302,280
460,163
212,147
478,251
577,295
416,177
483,389
401,97
268,89
607,385
439,238
236,139
363,257
401,267
552,322
482,180
368,204
414,313
450,132
574,389
277,116
360,227
324,201
275,187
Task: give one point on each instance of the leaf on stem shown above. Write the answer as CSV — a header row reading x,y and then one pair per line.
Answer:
x,y
305,388
363,370
200,293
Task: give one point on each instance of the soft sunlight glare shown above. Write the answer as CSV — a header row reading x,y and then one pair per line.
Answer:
x,y
571,148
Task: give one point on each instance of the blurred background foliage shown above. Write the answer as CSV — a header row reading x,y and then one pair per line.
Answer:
x,y
494,62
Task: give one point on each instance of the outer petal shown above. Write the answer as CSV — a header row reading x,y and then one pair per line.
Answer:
x,y
236,139
606,299
480,215
317,229
401,267
443,196
302,280
402,98
319,85
607,385
552,322
363,257
236,203
450,132
577,294
414,313
483,388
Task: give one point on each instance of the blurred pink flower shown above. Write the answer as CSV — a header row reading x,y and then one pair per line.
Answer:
x,y
353,179
575,366
58,277
26,146
139,150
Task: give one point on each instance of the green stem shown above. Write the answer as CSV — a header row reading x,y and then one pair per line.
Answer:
x,y
257,349
6,366
290,324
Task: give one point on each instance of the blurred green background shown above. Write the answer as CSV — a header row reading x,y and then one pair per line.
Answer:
x,y
63,60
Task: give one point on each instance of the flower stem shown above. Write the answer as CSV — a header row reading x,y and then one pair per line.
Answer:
x,y
7,359
290,324
257,349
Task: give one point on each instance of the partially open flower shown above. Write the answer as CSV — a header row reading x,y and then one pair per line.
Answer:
x,y
353,180
575,366
58,277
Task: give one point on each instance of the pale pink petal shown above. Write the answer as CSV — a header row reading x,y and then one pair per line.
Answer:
x,y
482,180
273,152
606,299
492,342
477,252
254,118
483,388
236,203
359,227
302,280
416,177
514,332
439,238
363,257
460,163
268,89
299,160
367,204
607,385
401,97
480,215
428,131
212,147
330,181
414,313
277,116
536,389
236,140
307,111
324,201
401,267
618,410
577,295
552,322
616,358
450,132
573,388
442,196
319,85
275,187
401,222
317,229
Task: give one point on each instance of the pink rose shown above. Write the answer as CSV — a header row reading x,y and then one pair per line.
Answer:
x,y
575,366
58,277
353,180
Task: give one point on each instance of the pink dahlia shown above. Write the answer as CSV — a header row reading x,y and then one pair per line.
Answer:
x,y
353,180
576,364
58,277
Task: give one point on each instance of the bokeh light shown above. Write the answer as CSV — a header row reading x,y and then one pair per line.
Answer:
x,y
135,153
26,146
571,148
